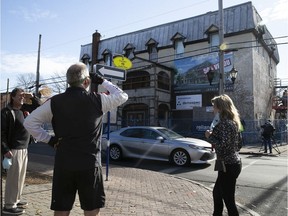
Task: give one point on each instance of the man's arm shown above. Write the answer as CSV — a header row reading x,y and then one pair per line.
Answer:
x,y
34,122
115,98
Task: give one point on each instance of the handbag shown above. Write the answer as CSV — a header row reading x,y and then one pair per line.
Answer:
x,y
220,165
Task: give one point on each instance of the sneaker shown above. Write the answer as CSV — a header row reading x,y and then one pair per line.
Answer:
x,y
13,211
22,204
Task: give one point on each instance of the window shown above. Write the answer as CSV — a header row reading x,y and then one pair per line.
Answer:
x,y
153,54
214,41
136,133
178,42
107,59
213,37
107,56
140,133
86,60
163,80
152,49
137,79
129,51
149,134
179,48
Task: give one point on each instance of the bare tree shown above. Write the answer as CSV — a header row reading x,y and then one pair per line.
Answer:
x,y
58,83
26,80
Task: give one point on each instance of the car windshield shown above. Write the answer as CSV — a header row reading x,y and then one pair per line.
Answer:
x,y
169,134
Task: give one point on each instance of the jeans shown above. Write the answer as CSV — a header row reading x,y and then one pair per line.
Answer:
x,y
267,142
224,189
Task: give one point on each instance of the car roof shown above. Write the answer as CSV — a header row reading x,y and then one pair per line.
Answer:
x,y
154,127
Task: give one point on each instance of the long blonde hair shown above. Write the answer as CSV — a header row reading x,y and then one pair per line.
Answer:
x,y
227,109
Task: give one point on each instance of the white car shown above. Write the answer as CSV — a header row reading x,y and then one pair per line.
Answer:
x,y
157,143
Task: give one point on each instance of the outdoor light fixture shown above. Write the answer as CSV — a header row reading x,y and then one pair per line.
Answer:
x,y
233,74
210,76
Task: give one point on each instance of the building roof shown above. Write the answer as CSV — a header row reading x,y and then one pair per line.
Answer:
x,y
237,19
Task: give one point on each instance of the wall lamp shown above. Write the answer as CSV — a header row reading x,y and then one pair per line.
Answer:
x,y
233,74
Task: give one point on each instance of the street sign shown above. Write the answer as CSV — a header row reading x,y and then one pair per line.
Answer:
x,y
122,62
110,72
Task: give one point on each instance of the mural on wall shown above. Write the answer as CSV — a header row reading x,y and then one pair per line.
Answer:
x,y
193,70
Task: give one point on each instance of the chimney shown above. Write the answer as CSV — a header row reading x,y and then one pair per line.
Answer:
x,y
95,46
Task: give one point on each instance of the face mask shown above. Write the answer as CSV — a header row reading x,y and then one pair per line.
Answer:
x,y
6,163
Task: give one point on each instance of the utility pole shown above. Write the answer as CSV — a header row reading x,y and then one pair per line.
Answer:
x,y
37,70
7,92
221,52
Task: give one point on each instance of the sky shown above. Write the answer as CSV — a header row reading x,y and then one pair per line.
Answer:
x,y
66,25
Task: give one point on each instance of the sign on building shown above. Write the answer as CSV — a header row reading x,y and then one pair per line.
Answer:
x,y
187,102
193,70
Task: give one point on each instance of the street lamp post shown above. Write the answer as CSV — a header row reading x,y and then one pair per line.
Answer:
x,y
233,74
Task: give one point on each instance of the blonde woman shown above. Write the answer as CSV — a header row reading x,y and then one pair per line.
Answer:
x,y
225,137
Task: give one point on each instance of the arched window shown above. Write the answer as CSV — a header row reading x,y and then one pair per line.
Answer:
x,y
163,80
136,80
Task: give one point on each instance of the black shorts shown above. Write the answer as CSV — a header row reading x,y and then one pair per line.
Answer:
x,y
88,183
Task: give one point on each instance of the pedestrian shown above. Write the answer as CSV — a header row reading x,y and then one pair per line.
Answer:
x,y
284,98
267,134
76,117
225,136
14,144
242,129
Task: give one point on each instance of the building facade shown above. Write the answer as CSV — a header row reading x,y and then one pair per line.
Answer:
x,y
168,83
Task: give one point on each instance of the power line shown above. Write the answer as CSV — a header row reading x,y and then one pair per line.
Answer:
x,y
119,26
187,53
152,17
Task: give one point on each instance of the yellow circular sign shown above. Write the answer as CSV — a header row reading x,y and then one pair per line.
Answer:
x,y
122,62
223,46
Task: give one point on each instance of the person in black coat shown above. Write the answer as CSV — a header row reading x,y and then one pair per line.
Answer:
x,y
267,134
14,144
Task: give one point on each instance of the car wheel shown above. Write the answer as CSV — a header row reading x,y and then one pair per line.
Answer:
x,y
115,152
180,157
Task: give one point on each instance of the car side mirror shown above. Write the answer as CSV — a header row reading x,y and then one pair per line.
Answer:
x,y
160,138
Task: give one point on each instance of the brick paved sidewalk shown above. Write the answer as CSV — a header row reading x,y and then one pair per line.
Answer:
x,y
138,192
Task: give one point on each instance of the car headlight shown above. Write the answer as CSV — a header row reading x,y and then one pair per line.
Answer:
x,y
195,147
